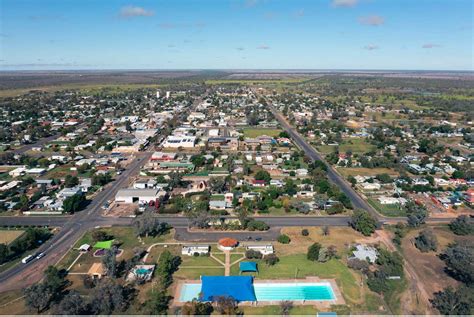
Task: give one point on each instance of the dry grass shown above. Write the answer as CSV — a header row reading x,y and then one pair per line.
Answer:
x,y
362,171
341,238
7,236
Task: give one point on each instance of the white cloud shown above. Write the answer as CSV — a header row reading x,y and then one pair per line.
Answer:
x,y
373,20
132,11
371,47
263,47
344,3
240,48
430,45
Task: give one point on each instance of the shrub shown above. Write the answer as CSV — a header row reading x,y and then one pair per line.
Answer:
x,y
271,259
426,241
305,232
313,252
462,226
283,239
253,254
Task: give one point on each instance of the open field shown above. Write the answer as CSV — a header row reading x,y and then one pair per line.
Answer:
x,y
429,267
7,236
256,132
386,210
362,171
356,146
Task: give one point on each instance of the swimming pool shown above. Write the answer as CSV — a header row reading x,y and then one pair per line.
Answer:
x,y
273,291
293,291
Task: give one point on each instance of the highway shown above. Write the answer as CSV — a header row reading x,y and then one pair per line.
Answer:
x,y
40,142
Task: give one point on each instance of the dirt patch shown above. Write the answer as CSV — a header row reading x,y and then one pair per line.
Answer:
x,y
120,210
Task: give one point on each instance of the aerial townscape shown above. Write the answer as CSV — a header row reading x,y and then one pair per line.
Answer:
x,y
238,190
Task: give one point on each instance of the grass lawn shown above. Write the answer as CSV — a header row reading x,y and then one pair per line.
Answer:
x,y
357,146
255,132
387,210
7,236
275,310
196,273
362,171
219,255
14,308
198,261
235,257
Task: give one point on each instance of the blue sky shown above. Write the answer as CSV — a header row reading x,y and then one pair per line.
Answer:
x,y
236,34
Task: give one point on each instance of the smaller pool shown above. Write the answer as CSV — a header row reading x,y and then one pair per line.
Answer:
x,y
189,292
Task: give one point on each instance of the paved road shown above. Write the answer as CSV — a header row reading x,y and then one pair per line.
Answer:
x,y
40,142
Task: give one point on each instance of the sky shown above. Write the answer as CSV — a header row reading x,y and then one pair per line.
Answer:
x,y
236,34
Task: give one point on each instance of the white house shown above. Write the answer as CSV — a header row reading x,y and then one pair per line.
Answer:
x,y
173,141
263,249
366,253
193,249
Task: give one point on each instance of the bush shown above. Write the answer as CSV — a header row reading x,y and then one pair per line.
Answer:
x,y
462,226
257,225
305,232
271,259
253,254
359,265
284,239
313,252
363,222
426,241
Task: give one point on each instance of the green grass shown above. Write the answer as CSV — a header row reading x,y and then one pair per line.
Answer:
x,y
198,261
357,146
387,210
275,310
256,132
297,266
196,273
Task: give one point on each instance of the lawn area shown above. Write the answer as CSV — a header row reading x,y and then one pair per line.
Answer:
x,y
16,307
387,210
362,171
255,132
196,273
7,236
297,266
357,146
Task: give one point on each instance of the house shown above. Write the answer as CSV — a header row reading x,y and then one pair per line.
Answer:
x,y
135,195
175,142
365,253
384,200
370,186
36,171
68,192
193,249
263,249
19,171
258,183
276,182
144,183
85,184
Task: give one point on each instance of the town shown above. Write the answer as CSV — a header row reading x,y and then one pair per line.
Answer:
x,y
324,194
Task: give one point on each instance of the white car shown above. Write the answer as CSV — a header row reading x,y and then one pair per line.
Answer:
x,y
40,255
27,259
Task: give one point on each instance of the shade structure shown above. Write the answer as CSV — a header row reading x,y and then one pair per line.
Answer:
x,y
240,288
248,267
103,244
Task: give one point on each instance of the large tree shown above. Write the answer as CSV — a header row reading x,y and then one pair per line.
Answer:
x,y
363,222
459,259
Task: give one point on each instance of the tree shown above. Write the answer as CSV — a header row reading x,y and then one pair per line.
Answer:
x,y
108,297
271,259
158,303
73,203
426,241
253,254
363,222
337,208
147,224
71,181
226,305
100,235
109,261
256,225
458,259
198,160
54,280
284,239
305,232
416,214
38,296
451,302
263,176
217,184
72,304
462,226
167,265
4,253
285,307
313,252
197,308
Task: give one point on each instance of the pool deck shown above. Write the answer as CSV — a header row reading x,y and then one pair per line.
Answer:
x,y
310,279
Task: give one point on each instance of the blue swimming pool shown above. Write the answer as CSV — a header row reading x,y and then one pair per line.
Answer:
x,y
274,291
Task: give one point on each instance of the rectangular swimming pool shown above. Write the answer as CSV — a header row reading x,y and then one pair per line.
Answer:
x,y
273,291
